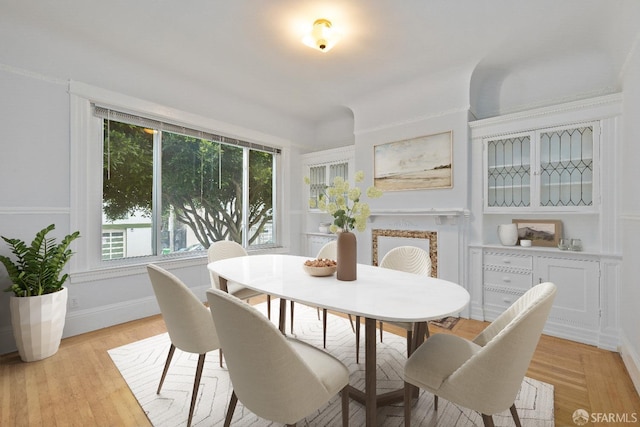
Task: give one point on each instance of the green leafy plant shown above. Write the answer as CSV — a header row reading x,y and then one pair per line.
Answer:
x,y
342,201
38,268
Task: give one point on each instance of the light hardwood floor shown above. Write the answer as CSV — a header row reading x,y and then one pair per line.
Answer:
x,y
80,385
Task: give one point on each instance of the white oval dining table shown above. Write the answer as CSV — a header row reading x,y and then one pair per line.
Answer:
x,y
376,294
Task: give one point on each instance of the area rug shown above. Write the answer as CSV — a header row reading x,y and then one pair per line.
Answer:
x,y
141,364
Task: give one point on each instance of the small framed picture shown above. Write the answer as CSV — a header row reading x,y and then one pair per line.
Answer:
x,y
541,232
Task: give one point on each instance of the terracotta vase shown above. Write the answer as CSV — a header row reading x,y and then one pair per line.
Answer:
x,y
347,256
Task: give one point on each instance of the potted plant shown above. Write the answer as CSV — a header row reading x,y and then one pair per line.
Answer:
x,y
39,302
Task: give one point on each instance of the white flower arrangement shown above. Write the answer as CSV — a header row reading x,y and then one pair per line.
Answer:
x,y
343,202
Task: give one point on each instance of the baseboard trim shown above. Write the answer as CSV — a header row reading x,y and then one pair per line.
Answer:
x,y
83,321
631,361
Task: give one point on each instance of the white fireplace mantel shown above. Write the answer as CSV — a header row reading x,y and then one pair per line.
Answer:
x,y
443,215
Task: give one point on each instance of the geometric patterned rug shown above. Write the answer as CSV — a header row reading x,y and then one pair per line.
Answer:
x,y
141,363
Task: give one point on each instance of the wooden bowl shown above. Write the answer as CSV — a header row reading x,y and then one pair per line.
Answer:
x,y
319,271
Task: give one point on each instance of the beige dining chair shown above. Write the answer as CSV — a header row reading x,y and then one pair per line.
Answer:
x,y
410,259
189,324
275,377
224,249
486,373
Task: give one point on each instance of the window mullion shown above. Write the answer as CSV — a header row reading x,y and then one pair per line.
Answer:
x,y
245,197
156,214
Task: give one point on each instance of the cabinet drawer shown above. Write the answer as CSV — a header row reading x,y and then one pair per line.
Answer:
x,y
496,301
508,260
509,279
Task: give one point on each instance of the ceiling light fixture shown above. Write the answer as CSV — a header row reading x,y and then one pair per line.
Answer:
x,y
322,36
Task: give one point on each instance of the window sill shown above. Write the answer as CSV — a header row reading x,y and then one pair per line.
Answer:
x,y
137,266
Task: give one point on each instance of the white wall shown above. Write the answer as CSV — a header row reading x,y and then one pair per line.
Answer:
x,y
35,191
431,105
630,221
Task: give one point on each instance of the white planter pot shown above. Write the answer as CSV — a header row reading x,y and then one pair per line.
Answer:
x,y
38,323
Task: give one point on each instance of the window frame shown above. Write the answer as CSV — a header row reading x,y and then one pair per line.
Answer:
x,y
86,175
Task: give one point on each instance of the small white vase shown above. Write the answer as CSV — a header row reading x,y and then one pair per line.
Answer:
x,y
508,234
38,323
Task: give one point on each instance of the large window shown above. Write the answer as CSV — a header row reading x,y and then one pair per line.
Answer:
x,y
168,189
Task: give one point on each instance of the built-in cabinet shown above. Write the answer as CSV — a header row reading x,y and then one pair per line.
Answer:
x,y
321,168
542,169
508,274
553,163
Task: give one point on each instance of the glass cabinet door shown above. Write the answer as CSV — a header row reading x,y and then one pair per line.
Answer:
x,y
338,169
321,176
566,167
545,169
317,181
509,172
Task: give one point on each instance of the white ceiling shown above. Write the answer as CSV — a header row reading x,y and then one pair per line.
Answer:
x,y
251,49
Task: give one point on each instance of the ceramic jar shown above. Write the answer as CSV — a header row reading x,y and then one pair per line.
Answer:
x,y
508,234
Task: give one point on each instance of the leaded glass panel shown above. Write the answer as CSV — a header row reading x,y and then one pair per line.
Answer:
x,y
509,172
338,169
566,167
317,181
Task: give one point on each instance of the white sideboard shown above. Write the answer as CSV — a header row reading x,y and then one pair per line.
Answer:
x,y
584,308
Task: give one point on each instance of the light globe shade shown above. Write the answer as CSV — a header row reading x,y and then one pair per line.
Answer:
x,y
322,36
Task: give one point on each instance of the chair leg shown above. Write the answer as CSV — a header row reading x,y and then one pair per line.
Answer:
x,y
380,331
357,339
488,420
231,409
435,402
407,404
220,351
172,349
409,342
353,328
196,386
269,307
291,317
324,327
345,407
514,414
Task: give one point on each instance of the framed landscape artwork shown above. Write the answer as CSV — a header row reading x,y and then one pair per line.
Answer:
x,y
541,232
419,163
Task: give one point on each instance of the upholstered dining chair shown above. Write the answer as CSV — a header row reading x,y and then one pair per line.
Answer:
x,y
486,373
189,323
410,259
276,377
329,250
224,249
